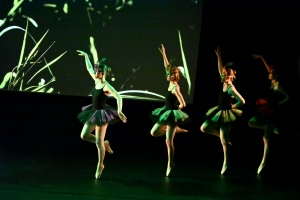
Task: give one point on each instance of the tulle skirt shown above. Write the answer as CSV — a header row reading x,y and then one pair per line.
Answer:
x,y
98,117
223,116
266,113
164,116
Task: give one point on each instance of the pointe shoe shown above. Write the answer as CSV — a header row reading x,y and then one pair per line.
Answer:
x,y
181,130
107,147
224,169
276,131
260,168
99,171
169,169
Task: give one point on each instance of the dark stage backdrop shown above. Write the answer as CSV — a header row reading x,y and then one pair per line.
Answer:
x,y
127,33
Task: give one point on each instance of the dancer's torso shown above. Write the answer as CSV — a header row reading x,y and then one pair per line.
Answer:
x,y
99,98
225,100
171,101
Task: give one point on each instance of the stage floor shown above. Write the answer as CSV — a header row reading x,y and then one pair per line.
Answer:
x,y
31,173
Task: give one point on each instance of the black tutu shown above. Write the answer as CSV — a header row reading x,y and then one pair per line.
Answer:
x,y
98,117
223,116
164,116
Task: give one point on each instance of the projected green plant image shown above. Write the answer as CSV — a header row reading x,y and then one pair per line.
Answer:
x,y
39,40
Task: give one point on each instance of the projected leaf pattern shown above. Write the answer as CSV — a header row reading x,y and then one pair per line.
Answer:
x,y
18,73
94,53
16,76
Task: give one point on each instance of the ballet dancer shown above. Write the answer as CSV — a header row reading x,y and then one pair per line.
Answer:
x,y
168,118
220,118
98,115
269,111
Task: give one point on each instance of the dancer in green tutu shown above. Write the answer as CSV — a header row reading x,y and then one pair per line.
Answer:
x,y
220,118
168,118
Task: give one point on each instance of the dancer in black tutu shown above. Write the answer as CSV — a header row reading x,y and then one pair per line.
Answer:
x,y
98,115
168,118
221,117
269,111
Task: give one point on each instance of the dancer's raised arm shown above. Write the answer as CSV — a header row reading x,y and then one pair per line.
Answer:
x,y
255,56
163,53
88,63
220,63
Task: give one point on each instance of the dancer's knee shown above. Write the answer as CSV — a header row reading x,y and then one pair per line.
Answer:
x,y
168,142
153,133
83,136
224,141
250,123
266,140
100,144
203,128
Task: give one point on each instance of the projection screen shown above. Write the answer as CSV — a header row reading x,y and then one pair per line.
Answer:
x,y
39,40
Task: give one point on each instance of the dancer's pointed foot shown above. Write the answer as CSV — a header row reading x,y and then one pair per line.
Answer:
x,y
181,130
276,131
107,147
99,171
229,141
224,168
260,168
169,168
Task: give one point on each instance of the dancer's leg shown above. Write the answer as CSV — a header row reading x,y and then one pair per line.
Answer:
x,y
224,137
100,134
170,133
269,128
254,122
158,130
86,133
87,136
210,127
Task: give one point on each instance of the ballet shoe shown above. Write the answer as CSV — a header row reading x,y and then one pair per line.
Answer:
x,y
276,131
99,171
224,169
107,147
169,169
260,168
181,130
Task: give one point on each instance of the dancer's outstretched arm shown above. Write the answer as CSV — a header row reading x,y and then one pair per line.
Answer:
x,y
88,63
240,100
118,97
163,53
255,56
220,63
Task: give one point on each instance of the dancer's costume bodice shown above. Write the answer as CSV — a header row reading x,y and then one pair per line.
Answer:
x,y
99,98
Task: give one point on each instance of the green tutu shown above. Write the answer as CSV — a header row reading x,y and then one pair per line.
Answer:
x,y
164,116
223,116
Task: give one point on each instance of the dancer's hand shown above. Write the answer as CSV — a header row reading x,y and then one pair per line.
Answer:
x,y
162,50
255,56
122,117
218,51
81,53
